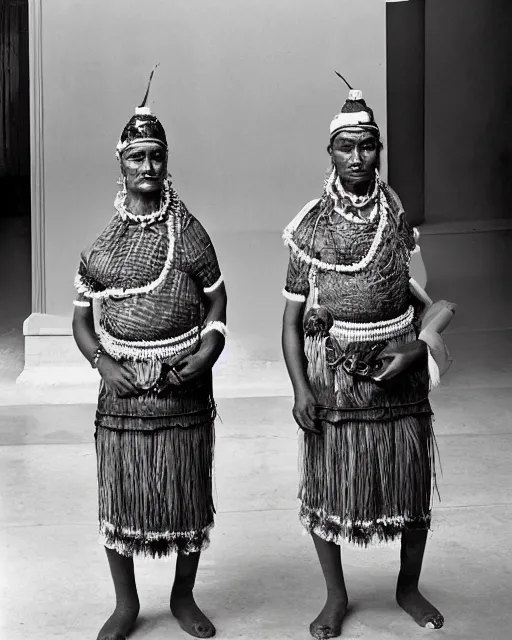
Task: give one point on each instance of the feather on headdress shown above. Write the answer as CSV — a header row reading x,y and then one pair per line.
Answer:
x,y
143,126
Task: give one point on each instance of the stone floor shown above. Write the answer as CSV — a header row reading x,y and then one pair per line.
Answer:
x,y
259,579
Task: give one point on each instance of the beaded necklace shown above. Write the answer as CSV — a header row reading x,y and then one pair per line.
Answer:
x,y
151,218
380,210
171,217
346,203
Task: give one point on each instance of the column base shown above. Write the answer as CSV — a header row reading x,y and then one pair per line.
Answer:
x,y
51,355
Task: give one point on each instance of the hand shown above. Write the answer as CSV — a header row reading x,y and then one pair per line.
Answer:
x,y
119,377
194,366
399,359
304,411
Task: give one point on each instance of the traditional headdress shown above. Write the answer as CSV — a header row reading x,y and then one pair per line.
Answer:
x,y
142,127
355,113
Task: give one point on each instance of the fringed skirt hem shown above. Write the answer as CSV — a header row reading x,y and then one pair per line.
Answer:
x,y
155,545
361,533
367,483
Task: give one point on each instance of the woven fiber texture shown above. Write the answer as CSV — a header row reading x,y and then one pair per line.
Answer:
x,y
155,490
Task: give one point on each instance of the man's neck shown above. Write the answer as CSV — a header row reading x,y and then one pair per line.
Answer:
x,y
358,188
142,204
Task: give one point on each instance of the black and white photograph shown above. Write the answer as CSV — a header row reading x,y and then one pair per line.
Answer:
x,y
255,319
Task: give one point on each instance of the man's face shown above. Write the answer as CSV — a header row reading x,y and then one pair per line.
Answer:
x,y
144,166
355,155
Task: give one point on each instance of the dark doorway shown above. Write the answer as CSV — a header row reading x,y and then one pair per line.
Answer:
x,y
15,280
405,54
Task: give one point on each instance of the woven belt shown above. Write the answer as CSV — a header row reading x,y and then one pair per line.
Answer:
x,y
140,350
370,331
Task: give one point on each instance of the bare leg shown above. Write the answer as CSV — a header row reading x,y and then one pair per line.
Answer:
x,y
122,621
328,623
183,606
407,593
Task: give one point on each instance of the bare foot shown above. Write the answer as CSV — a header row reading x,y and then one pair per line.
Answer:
x,y
418,607
190,617
120,624
328,623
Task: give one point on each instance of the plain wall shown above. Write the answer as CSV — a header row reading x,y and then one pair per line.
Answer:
x,y
468,110
245,90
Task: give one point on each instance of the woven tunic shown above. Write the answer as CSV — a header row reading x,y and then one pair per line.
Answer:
x,y
129,256
377,293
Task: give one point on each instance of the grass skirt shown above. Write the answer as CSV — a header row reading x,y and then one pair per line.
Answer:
x,y
155,489
369,476
367,482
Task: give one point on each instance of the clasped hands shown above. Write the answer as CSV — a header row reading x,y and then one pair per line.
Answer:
x,y
395,360
122,379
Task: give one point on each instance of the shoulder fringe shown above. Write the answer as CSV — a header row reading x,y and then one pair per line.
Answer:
x,y
294,224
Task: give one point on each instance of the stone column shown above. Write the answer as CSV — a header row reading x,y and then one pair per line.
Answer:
x,y
48,338
405,70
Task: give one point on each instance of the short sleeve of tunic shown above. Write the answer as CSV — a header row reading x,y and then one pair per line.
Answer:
x,y
297,279
82,265
80,299
297,236
200,256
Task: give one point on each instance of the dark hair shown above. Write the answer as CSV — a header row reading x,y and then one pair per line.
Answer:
x,y
356,106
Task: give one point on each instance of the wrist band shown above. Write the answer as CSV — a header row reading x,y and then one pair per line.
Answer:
x,y
81,303
215,325
96,356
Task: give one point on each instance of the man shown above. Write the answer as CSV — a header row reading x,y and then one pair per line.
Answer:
x,y
361,369
162,300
